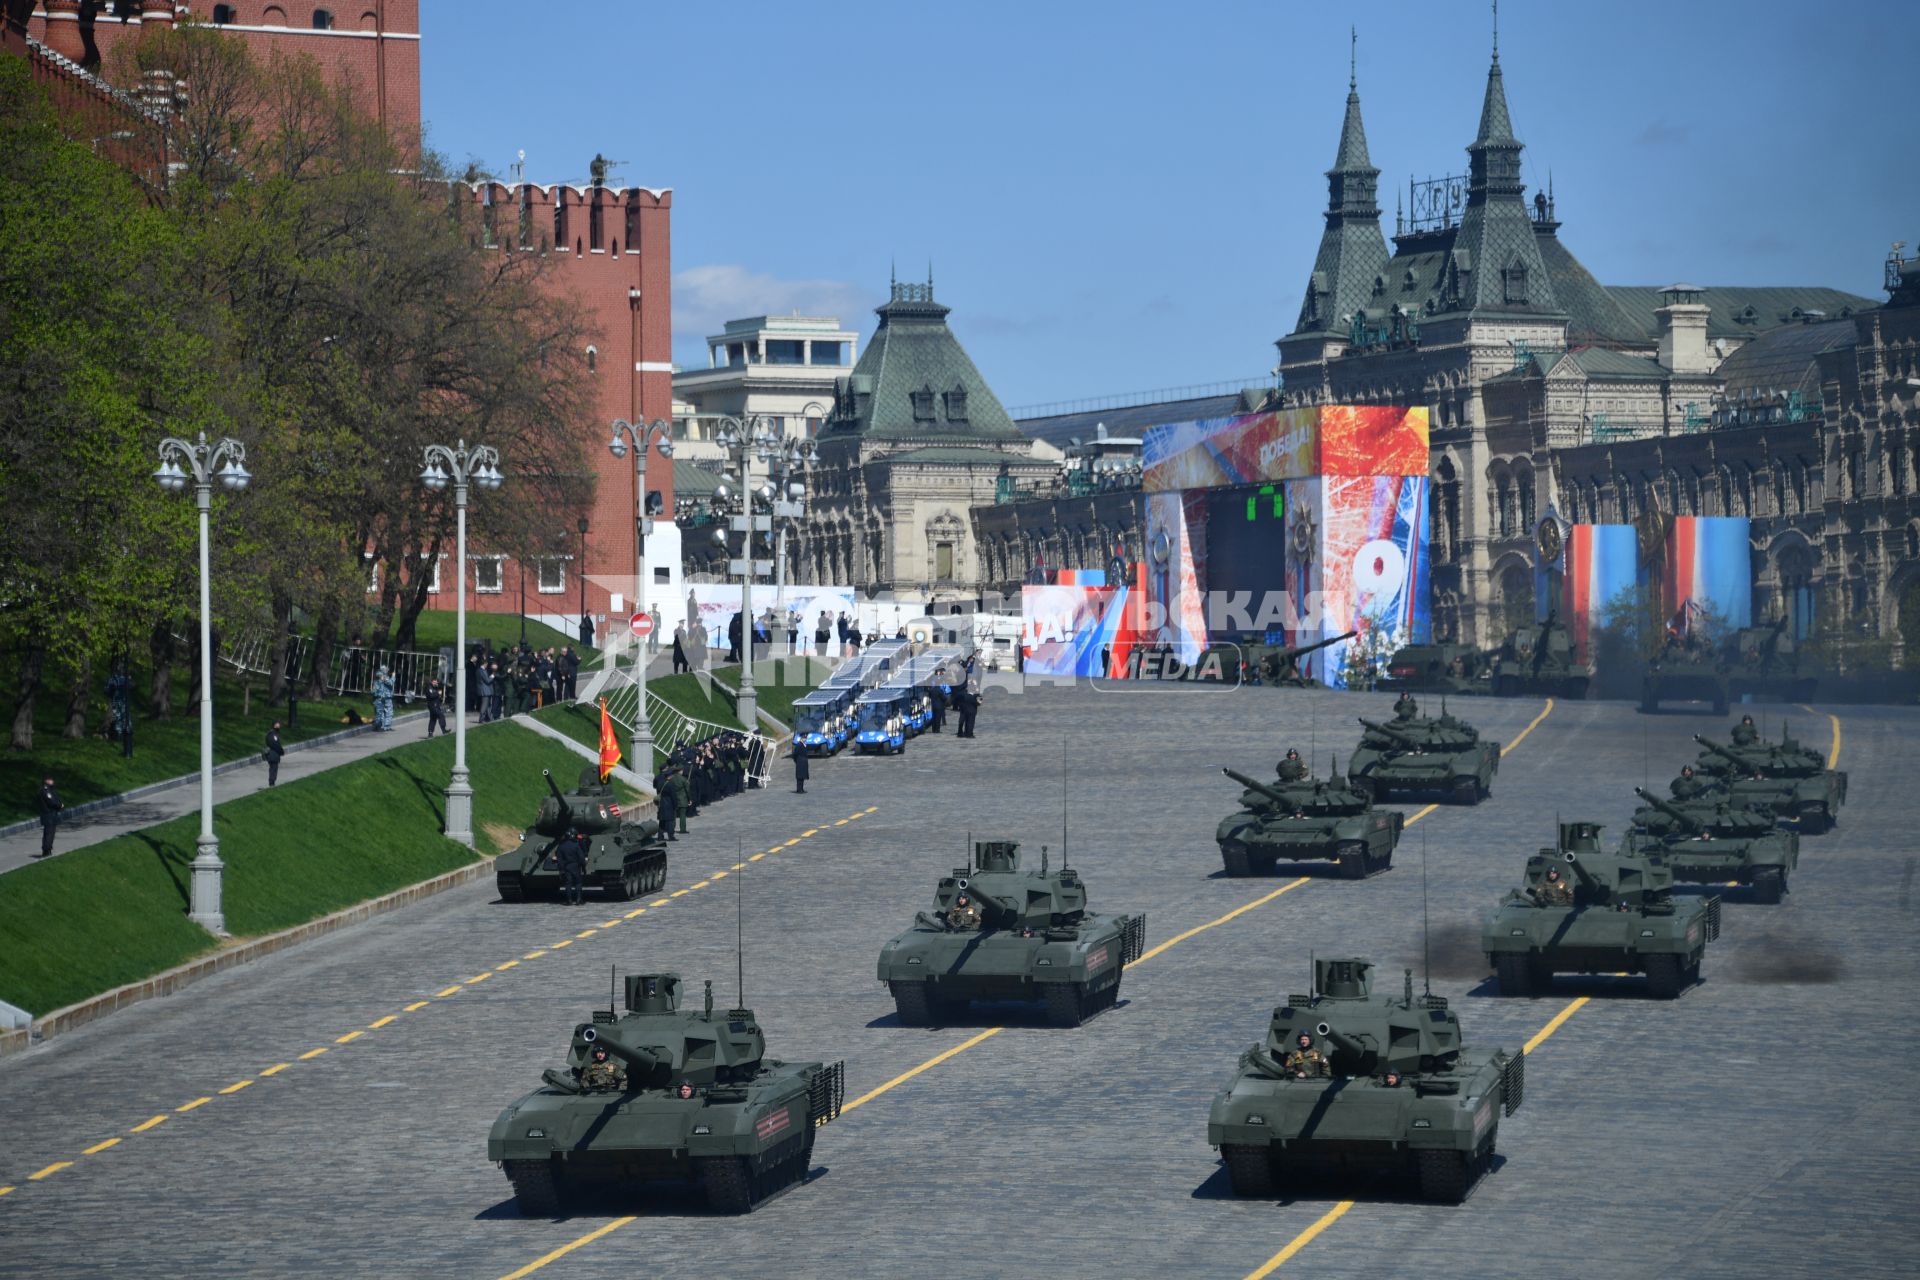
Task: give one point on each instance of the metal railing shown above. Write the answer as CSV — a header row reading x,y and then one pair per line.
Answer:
x,y
673,728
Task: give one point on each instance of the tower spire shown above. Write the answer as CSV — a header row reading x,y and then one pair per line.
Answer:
x,y
1353,59
1496,32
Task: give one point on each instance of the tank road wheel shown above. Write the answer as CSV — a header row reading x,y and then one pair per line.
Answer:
x,y
910,999
508,884
1249,1169
1443,1176
1665,977
728,1183
1466,791
1233,853
1352,856
535,1190
1515,973
1769,885
1066,1004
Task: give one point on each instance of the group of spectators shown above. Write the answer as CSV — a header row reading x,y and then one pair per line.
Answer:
x,y
520,679
701,773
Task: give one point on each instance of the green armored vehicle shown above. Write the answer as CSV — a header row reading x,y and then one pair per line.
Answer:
x,y
1709,841
625,858
1587,911
1416,753
1000,933
676,1095
1685,672
1352,1080
1279,664
1764,662
1537,660
1435,668
1791,780
1304,817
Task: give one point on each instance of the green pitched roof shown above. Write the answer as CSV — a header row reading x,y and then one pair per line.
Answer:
x,y
915,381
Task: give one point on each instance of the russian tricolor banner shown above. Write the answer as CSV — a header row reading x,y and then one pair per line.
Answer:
x,y
1709,566
1602,561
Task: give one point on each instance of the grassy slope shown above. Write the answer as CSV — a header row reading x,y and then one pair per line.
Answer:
x,y
91,767
94,919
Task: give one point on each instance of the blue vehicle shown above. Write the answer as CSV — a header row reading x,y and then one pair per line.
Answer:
x,y
880,720
902,707
822,721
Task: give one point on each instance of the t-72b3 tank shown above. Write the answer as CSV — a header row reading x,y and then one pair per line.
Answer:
x,y
1307,818
1421,754
1378,1083
1598,912
1279,664
1000,933
1709,841
678,1095
625,858
1791,780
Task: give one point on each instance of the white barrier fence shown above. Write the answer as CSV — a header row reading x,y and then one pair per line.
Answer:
x,y
673,728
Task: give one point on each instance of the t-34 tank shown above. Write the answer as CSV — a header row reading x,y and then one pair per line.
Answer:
x,y
1307,818
1279,664
1380,1083
998,932
1791,780
1415,753
680,1095
1703,845
1598,912
625,858
1539,660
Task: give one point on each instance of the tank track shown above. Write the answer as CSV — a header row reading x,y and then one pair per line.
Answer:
x,y
1249,1169
509,886
915,1008
535,1189
732,1185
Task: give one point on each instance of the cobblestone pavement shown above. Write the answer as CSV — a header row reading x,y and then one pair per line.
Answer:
x,y
1749,1129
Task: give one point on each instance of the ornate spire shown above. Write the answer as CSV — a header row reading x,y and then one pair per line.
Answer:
x,y
1353,253
1496,126
1352,180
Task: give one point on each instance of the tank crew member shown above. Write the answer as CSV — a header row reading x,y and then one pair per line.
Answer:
x,y
1305,1061
571,854
686,1090
1391,1080
1554,890
1405,708
965,913
1744,734
1293,768
604,1071
1686,786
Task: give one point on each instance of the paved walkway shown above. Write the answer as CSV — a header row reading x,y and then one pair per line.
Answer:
x,y
184,796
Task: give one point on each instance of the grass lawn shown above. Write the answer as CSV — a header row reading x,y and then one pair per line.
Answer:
x,y
91,767
435,630
778,681
91,920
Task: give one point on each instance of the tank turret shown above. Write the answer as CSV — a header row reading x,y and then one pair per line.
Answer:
x,y
1681,818
1399,733
590,808
1009,897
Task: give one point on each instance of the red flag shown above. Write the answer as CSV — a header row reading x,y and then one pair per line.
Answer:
x,y
609,743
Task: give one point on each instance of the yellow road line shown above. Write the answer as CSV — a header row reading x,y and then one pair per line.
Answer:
x,y
145,1125
756,857
378,1023
98,1147
565,942
197,1102
479,977
701,884
311,1053
637,911
840,822
6,1191
928,1065
1540,1036
50,1170
566,1249
1301,1241
604,924
719,875
235,1088
417,1006
678,893
276,1068
450,991
1421,814
1521,736
872,808
1178,938
348,1038
658,902
805,834
506,965
1833,755
533,955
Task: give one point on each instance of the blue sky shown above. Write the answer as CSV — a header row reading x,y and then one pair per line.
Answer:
x,y
1120,197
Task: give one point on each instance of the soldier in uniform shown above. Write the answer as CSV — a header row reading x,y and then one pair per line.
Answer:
x,y
682,798
1405,708
1554,891
604,1071
1293,768
1744,734
1305,1061
1391,1080
571,853
1686,786
965,913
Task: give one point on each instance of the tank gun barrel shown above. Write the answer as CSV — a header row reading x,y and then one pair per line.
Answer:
x,y
1724,752
1580,871
1391,731
566,810
1291,652
996,909
1343,1042
1270,792
1667,807
645,1061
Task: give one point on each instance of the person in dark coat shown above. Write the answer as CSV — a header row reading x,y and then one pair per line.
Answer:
x,y
436,706
273,753
680,662
586,631
571,854
48,804
570,670
668,802
939,693
800,770
967,703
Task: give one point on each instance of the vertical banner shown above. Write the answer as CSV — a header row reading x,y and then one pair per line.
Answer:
x,y
1373,572
1176,573
1601,564
1709,565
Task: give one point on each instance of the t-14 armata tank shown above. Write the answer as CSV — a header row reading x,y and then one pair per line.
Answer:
x,y
625,858
998,932
1587,911
661,1093
1304,818
1352,1080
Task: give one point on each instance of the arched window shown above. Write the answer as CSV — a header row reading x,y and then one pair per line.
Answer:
x,y
593,359
222,15
323,19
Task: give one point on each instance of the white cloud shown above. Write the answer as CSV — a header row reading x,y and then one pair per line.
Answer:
x,y
705,298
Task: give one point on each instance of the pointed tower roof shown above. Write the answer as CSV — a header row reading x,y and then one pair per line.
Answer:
x,y
1496,126
1353,252
915,382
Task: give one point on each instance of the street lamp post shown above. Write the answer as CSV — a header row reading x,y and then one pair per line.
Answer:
x,y
461,466
789,506
639,438
580,568
224,459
